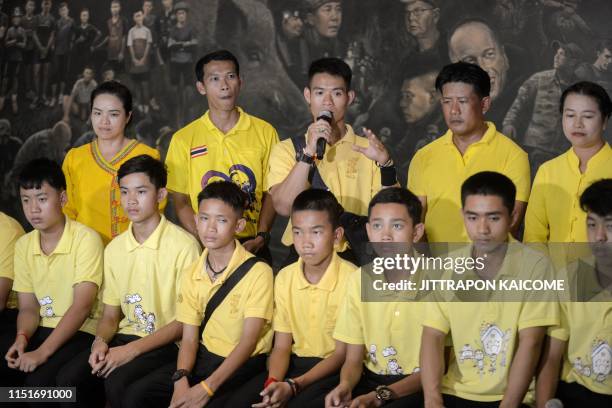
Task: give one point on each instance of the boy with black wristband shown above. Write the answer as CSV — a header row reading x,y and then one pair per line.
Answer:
x,y
305,360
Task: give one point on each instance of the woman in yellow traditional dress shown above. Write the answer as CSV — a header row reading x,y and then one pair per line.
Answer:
x,y
91,169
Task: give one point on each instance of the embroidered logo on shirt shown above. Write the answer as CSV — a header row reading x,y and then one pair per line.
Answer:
x,y
199,151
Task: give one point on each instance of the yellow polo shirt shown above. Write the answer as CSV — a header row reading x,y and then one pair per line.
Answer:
x,y
389,329
309,311
51,278
10,230
93,192
485,334
438,170
200,154
350,176
587,329
144,278
554,213
251,297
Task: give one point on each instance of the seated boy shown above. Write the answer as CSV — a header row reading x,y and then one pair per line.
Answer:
x,y
307,294
496,345
58,269
387,332
10,231
230,348
577,357
142,271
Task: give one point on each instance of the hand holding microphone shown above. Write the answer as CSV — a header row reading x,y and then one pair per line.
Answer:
x,y
321,142
318,134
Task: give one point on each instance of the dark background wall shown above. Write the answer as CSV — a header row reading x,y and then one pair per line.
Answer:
x,y
516,42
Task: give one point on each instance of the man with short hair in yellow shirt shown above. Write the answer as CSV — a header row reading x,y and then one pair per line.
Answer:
x,y
496,345
386,330
577,358
142,271
226,143
305,360
232,346
58,270
469,146
353,167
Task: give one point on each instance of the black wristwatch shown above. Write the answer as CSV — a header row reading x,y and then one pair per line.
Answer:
x,y
383,394
302,156
265,235
178,374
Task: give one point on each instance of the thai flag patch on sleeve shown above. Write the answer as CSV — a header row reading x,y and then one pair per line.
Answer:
x,y
199,151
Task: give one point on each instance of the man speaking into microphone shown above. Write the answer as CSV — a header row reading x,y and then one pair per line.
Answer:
x,y
330,155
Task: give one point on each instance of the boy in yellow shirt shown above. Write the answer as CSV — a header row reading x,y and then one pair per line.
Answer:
x,y
142,271
223,348
58,271
305,360
496,345
577,361
386,331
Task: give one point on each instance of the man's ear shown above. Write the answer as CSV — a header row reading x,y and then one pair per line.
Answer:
x,y
162,193
418,231
240,225
201,88
338,234
63,198
351,96
369,231
307,94
485,104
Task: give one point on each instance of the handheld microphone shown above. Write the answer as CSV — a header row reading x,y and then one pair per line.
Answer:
x,y
321,142
553,403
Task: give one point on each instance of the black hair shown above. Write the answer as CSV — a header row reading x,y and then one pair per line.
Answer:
x,y
117,89
219,55
605,44
37,171
593,90
331,66
466,73
490,183
153,168
315,199
597,198
227,192
398,195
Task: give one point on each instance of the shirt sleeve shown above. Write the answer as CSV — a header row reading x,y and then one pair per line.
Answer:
x,y
23,273
110,292
282,160
349,327
185,260
561,331
415,176
260,302
89,260
177,162
436,317
7,251
281,322
70,209
149,36
519,172
130,37
536,218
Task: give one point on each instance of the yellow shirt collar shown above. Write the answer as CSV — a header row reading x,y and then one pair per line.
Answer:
x,y
604,154
152,242
238,257
329,279
63,246
244,122
487,138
